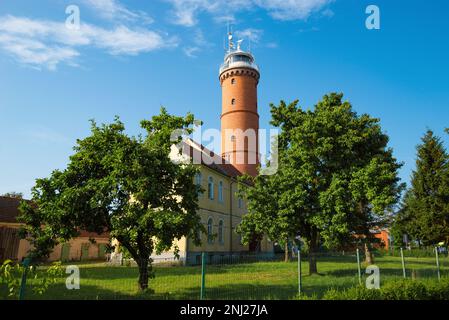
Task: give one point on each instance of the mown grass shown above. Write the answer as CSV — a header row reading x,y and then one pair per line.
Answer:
x,y
260,280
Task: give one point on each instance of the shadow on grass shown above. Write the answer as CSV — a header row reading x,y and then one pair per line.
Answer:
x,y
110,272
93,292
244,291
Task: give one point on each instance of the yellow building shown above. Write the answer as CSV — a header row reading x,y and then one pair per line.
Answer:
x,y
221,210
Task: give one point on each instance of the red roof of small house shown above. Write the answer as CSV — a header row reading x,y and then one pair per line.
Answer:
x,y
9,211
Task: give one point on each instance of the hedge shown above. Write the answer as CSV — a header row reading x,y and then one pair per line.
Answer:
x,y
398,290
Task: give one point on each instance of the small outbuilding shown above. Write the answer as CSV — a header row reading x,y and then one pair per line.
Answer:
x,y
16,249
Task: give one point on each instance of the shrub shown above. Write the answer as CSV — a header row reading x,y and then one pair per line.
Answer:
x,y
355,293
404,290
398,290
438,290
305,297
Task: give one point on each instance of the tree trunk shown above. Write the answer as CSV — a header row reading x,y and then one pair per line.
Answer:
x,y
369,258
313,247
143,274
286,258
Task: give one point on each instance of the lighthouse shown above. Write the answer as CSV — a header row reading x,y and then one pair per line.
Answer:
x,y
239,78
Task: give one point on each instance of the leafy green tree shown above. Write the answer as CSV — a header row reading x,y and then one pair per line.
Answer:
x,y
424,214
267,217
13,194
336,177
125,186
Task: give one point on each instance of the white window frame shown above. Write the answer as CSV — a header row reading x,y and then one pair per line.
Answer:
x,y
220,192
210,188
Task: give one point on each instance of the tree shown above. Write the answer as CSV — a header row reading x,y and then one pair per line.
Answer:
x,y
13,194
125,186
266,215
336,177
424,214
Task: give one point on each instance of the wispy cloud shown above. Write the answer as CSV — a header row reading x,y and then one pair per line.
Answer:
x,y
114,10
185,12
45,135
45,44
36,53
292,9
250,34
191,51
196,44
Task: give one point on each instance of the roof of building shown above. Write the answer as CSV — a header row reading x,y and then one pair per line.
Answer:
x,y
9,211
199,154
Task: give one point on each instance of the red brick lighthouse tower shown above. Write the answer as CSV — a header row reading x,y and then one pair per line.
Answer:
x,y
239,77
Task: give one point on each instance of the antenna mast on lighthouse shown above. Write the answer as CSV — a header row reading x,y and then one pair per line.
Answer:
x,y
230,39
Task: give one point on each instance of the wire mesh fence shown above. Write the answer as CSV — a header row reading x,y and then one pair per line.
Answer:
x,y
243,277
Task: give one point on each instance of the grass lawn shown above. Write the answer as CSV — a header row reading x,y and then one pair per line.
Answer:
x,y
261,280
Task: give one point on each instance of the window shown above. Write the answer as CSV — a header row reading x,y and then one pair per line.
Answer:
x,y
210,225
199,234
198,181
233,81
233,102
210,188
238,58
233,138
220,191
220,232
240,203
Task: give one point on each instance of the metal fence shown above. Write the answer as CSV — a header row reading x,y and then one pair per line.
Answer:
x,y
246,276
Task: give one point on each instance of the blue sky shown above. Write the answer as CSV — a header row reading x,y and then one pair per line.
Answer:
x,y
131,57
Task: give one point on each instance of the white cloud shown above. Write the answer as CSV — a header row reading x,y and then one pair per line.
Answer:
x,y
328,13
186,11
250,34
114,10
43,43
191,51
197,43
292,9
36,53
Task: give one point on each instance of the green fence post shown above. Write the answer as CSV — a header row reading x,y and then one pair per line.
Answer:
x,y
26,264
403,264
438,263
358,266
203,276
299,271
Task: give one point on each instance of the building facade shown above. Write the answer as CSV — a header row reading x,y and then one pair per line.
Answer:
x,y
221,210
